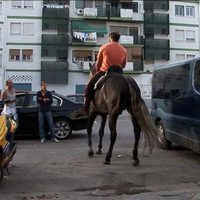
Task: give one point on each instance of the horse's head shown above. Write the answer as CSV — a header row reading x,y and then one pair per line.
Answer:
x,y
92,69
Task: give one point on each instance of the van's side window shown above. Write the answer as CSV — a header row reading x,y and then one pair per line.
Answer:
x,y
158,82
197,76
176,81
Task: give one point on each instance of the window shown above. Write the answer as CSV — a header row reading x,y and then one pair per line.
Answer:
x,y
179,10
180,57
197,76
179,35
56,101
122,30
82,55
190,56
24,54
0,8
27,54
28,28
190,35
22,4
16,4
15,28
28,4
14,54
88,4
189,11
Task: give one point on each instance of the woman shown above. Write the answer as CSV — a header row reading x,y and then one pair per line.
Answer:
x,y
8,96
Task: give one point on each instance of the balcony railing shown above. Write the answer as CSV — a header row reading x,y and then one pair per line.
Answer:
x,y
127,39
57,40
54,72
157,43
60,25
90,12
55,13
134,66
156,18
150,5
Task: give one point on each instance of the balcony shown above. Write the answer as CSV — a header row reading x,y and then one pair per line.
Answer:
x,y
156,18
157,43
130,40
60,25
126,13
156,49
136,66
90,12
55,13
54,4
55,46
150,5
56,40
54,72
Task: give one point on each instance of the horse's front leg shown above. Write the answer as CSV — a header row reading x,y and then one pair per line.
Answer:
x,y
91,119
101,133
113,136
137,131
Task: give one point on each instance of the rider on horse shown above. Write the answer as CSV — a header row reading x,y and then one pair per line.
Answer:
x,y
111,57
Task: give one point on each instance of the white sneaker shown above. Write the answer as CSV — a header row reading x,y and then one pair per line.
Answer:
x,y
42,140
55,140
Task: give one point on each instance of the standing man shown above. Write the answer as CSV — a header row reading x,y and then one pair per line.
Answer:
x,y
111,57
44,99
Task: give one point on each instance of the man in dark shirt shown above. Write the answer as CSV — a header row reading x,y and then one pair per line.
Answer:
x,y
44,99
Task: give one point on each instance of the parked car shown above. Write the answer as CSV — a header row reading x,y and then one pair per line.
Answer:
x,y
68,115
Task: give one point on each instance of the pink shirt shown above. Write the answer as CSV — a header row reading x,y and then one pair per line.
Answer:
x,y
111,54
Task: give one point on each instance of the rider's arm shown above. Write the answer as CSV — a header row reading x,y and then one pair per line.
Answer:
x,y
99,60
125,59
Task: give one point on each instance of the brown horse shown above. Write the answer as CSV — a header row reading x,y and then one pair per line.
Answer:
x,y
117,93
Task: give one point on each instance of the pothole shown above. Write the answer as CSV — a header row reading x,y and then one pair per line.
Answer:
x,y
114,190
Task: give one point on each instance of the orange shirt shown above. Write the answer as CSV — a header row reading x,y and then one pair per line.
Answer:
x,y
111,54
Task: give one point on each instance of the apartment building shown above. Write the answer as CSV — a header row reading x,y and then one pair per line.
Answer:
x,y
57,41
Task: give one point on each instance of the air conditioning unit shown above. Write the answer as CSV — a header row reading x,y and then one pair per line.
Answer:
x,y
79,11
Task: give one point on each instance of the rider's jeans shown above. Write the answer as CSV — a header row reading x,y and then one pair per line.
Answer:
x,y
46,116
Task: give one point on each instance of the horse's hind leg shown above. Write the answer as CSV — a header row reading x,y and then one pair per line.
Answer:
x,y
137,131
91,119
101,133
113,136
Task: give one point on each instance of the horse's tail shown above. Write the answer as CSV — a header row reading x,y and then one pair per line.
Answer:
x,y
142,115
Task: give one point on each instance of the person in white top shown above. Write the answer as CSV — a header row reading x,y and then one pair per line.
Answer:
x,y
8,96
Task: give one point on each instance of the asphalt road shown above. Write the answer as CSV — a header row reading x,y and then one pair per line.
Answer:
x,y
64,171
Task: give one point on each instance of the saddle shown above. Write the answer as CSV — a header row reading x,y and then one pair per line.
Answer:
x,y
109,72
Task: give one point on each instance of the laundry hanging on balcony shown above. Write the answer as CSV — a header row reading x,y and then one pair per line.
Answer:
x,y
85,36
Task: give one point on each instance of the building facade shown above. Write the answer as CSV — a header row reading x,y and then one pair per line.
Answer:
x,y
57,40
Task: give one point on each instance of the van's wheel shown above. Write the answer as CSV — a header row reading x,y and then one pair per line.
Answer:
x,y
1,174
63,128
162,141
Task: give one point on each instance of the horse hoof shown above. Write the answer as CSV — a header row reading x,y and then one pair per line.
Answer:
x,y
98,151
106,162
136,162
90,153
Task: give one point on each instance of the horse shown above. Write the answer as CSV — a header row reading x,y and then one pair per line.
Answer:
x,y
119,92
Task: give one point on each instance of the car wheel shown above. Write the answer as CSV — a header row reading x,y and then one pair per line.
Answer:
x,y
63,128
162,141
